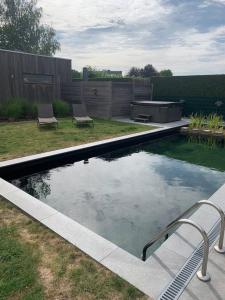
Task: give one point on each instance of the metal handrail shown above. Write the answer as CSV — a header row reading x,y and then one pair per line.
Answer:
x,y
202,274
219,248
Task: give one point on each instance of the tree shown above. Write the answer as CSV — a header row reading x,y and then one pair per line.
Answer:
x,y
76,74
167,73
134,72
149,71
93,72
21,28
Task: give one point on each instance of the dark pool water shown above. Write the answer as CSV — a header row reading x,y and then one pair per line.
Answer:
x,y
128,195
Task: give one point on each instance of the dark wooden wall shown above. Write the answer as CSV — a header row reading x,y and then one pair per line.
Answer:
x,y
97,95
122,95
72,92
15,65
107,99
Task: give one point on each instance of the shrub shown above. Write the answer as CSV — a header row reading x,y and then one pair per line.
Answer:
x,y
2,111
14,109
61,108
18,108
29,109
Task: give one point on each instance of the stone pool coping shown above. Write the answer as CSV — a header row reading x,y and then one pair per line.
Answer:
x,y
8,166
152,276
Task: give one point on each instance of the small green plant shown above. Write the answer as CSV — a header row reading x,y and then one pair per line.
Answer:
x,y
29,109
14,109
61,108
197,121
192,121
18,108
215,122
212,122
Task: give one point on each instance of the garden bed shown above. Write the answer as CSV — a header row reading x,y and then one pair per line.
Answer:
x,y
211,126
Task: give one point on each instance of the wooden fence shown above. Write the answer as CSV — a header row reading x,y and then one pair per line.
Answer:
x,y
33,77
107,99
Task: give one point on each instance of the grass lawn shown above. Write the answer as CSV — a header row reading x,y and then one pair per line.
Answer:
x,y
36,264
19,139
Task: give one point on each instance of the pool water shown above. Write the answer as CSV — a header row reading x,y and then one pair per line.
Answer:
x,y
128,195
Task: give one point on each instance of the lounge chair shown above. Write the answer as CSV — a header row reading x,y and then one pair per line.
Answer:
x,y
46,115
80,116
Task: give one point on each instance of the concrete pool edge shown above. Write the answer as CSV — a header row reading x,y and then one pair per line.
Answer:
x,y
152,276
13,165
100,249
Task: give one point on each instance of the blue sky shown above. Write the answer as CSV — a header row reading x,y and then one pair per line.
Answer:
x,y
186,36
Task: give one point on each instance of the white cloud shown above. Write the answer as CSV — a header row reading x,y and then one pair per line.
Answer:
x,y
119,34
80,14
210,2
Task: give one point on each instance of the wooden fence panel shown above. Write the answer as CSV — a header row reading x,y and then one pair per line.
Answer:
x,y
122,95
106,99
97,95
16,68
72,92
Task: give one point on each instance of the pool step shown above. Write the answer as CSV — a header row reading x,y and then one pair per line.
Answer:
x,y
143,118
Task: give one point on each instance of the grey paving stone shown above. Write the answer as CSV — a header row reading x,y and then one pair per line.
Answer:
x,y
215,289
6,188
131,269
29,204
83,238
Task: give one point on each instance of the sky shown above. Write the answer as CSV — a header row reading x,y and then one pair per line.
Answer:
x,y
186,36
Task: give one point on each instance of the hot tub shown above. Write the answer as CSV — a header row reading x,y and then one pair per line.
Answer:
x,y
156,111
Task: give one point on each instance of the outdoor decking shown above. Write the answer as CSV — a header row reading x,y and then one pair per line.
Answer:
x,y
182,122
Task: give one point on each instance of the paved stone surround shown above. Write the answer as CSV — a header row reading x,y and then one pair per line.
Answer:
x,y
152,276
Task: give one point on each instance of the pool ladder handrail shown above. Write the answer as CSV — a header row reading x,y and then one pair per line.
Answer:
x,y
202,275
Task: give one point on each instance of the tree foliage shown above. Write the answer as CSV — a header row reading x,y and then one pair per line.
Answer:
x,y
167,73
96,73
21,28
76,74
147,71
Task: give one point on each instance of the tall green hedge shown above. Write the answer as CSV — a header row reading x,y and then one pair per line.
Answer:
x,y
200,93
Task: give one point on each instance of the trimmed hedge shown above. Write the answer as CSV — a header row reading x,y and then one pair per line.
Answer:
x,y
190,86
200,93
115,79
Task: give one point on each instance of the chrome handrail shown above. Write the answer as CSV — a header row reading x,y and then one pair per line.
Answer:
x,y
219,248
202,274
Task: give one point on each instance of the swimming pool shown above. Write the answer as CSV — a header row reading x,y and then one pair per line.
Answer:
x,y
129,194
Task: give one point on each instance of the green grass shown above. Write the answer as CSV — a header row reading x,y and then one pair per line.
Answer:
x,y
24,138
36,264
18,268
88,281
